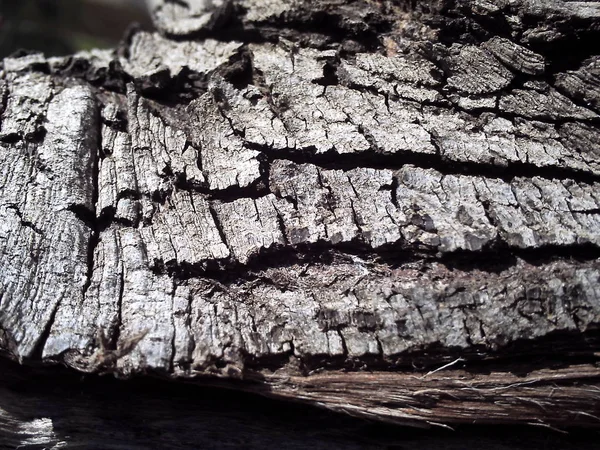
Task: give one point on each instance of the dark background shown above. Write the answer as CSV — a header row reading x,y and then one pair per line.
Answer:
x,y
101,412
62,27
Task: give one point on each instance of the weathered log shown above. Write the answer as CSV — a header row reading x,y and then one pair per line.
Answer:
x,y
384,209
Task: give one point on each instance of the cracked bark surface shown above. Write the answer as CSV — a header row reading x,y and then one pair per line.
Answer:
x,y
325,200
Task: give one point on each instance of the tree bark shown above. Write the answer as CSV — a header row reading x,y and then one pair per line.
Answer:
x,y
389,209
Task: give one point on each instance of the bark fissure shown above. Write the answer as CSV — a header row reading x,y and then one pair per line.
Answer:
x,y
92,220
379,160
38,350
25,223
494,260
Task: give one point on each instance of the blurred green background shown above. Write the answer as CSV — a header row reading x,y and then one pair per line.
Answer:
x,y
62,27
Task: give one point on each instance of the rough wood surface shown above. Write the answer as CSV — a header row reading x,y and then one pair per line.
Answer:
x,y
325,200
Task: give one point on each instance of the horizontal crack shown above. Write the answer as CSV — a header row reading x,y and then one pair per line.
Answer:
x,y
377,160
494,259
256,189
562,348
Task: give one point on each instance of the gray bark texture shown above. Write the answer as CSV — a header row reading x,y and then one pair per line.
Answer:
x,y
386,208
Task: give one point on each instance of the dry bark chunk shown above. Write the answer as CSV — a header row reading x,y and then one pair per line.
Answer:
x,y
43,186
324,212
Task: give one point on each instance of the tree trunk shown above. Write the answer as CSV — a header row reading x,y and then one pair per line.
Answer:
x,y
389,209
